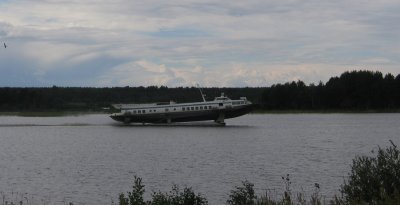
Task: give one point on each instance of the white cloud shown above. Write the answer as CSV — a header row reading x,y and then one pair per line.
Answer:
x,y
151,67
137,73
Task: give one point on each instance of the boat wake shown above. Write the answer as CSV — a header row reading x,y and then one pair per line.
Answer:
x,y
49,125
211,124
183,124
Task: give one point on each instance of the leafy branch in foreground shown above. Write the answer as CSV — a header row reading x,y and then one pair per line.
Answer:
x,y
374,180
136,196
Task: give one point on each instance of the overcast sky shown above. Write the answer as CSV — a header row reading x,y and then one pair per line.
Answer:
x,y
182,43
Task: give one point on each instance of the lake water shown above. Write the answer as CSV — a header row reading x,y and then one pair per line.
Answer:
x,y
89,159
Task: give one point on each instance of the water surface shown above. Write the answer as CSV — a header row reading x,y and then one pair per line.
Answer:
x,y
89,159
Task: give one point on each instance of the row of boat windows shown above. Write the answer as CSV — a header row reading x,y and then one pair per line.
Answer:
x,y
174,109
196,108
166,109
238,103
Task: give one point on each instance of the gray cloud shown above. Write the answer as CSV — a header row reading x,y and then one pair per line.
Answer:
x,y
215,43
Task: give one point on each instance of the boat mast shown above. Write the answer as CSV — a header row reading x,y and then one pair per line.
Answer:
x,y
201,92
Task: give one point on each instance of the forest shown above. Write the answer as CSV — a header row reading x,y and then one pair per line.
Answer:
x,y
351,91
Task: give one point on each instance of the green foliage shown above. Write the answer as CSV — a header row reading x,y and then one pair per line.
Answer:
x,y
177,197
136,196
243,195
174,197
374,180
123,200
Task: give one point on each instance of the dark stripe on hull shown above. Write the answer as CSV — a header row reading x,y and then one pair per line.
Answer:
x,y
187,116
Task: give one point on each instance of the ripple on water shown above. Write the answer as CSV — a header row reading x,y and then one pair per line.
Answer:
x,y
90,158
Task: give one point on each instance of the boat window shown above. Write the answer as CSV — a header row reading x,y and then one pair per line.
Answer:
x,y
201,107
183,109
221,98
192,108
166,109
220,104
139,112
197,108
134,112
174,108
143,111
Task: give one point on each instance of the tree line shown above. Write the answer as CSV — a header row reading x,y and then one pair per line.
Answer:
x,y
352,90
74,98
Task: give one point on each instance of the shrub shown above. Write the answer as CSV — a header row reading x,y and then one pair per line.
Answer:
x,y
136,196
174,197
374,180
243,195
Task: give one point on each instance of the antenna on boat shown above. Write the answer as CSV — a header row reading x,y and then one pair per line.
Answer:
x,y
201,92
